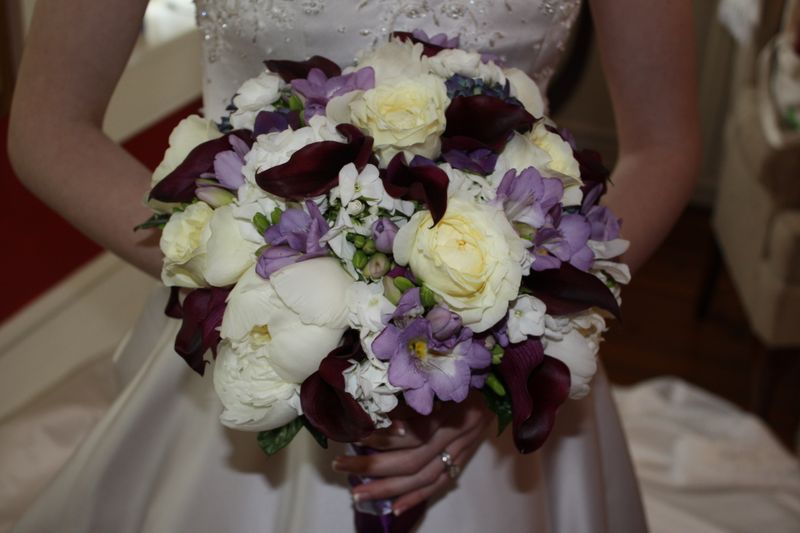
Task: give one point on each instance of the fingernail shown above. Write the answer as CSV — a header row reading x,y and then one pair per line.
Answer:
x,y
336,466
356,497
398,429
397,511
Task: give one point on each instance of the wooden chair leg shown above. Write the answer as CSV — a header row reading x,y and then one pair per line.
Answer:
x,y
709,285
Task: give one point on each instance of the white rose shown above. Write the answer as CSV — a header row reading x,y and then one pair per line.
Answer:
x,y
519,153
524,89
228,253
471,258
183,243
448,63
393,60
187,135
254,397
255,95
467,184
575,341
562,164
404,116
525,317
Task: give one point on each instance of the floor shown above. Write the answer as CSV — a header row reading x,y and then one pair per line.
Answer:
x,y
660,334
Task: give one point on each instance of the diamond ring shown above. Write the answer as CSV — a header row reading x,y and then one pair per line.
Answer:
x,y
453,470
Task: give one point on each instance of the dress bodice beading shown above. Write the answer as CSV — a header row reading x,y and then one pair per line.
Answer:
x,y
239,34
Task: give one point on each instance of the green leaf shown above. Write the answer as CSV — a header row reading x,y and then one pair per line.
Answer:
x,y
321,439
158,220
499,405
274,440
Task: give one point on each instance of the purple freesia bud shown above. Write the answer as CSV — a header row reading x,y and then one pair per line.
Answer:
x,y
228,164
377,266
410,305
527,196
318,89
295,238
444,323
383,233
605,225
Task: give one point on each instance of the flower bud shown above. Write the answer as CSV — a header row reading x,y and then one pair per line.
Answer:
x,y
369,247
377,266
444,323
390,291
214,196
524,231
383,233
360,259
355,207
403,283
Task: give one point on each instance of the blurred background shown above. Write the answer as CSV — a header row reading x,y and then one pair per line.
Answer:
x,y
706,361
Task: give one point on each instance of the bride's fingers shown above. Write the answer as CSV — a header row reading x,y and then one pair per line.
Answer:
x,y
460,449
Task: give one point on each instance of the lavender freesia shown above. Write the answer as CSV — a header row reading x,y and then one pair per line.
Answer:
x,y
318,89
563,240
383,233
295,238
527,197
426,367
228,164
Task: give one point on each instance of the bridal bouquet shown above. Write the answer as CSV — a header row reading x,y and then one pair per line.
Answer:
x,y
405,230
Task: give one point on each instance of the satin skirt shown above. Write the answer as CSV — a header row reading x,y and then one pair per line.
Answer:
x,y
160,461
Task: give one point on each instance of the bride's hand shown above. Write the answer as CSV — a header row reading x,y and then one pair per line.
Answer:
x,y
410,464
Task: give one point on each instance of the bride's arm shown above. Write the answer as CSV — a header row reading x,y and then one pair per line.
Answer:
x,y
74,56
648,56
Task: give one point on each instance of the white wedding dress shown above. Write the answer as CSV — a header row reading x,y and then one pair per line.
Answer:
x,y
160,461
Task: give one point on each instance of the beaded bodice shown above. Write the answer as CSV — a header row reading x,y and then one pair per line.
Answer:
x,y
239,34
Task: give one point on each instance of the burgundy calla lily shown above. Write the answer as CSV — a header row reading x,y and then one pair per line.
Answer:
x,y
314,169
538,385
422,181
481,121
292,70
202,315
567,289
325,403
271,121
179,185
173,308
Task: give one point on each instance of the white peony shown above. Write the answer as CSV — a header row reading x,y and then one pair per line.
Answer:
x,y
525,317
471,258
562,163
255,95
278,331
229,253
183,243
393,60
575,341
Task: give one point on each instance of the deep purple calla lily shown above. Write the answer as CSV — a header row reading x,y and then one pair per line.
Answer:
x,y
179,185
567,290
202,312
481,121
272,121
325,403
314,169
538,385
593,172
422,181
481,161
292,70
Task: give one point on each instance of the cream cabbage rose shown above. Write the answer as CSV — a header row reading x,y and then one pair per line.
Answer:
x,y
187,135
404,116
228,253
471,259
275,334
524,89
184,244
